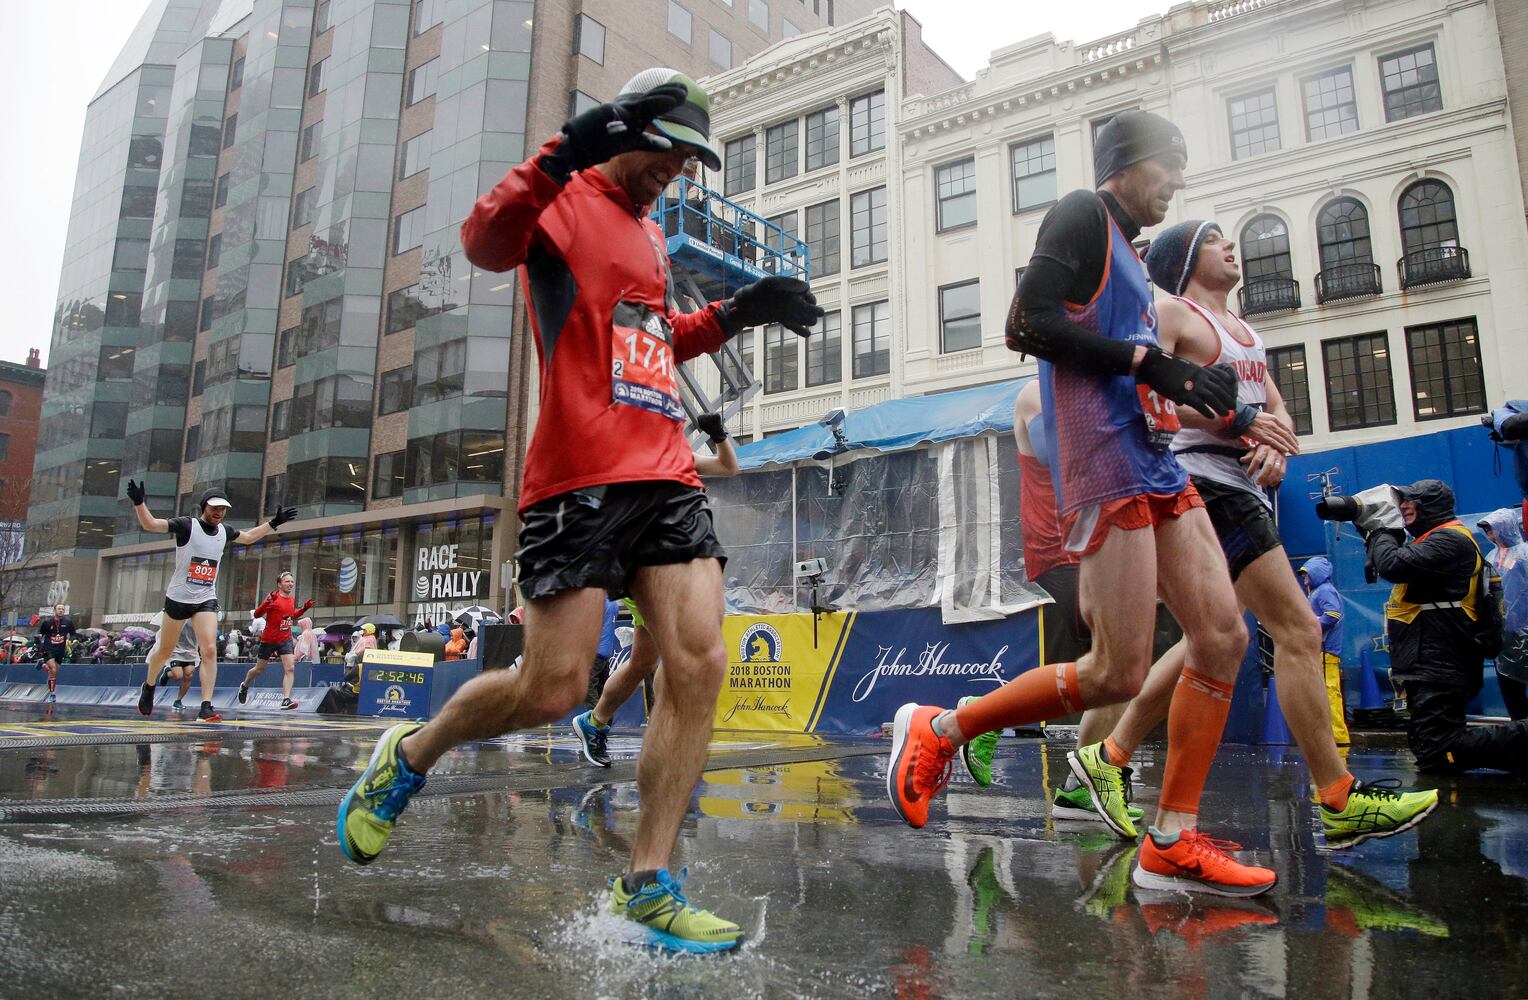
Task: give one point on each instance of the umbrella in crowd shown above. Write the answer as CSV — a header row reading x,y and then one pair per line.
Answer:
x,y
138,630
331,638
340,628
381,621
477,614
93,631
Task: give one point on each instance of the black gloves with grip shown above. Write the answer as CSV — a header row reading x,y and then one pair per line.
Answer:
x,y
282,516
611,129
711,425
1211,390
135,492
787,301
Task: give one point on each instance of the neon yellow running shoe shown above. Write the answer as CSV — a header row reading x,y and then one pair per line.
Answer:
x,y
668,919
977,754
1376,809
1374,907
1106,787
370,809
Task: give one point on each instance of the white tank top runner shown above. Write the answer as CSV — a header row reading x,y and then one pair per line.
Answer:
x,y
1214,454
196,565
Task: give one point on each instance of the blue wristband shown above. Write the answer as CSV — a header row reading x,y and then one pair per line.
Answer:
x,y
1246,413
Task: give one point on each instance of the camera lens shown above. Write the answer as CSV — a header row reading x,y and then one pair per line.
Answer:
x,y
1337,508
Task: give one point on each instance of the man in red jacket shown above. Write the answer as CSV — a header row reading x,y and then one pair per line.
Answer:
x,y
279,611
622,510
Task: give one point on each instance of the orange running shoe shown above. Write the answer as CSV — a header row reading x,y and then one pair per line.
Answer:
x,y
920,763
1197,863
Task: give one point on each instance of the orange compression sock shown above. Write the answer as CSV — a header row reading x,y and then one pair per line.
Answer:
x,y
1335,795
1195,723
1046,692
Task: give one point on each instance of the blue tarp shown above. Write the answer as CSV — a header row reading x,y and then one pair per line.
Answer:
x,y
894,425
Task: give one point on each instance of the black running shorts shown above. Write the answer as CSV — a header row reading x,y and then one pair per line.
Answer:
x,y
183,612
272,650
600,535
1243,523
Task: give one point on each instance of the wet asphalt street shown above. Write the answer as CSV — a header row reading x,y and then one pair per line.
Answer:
x,y
157,860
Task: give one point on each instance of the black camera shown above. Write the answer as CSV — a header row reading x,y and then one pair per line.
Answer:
x,y
1338,508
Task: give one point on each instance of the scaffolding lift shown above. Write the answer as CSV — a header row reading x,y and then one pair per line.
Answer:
x,y
715,247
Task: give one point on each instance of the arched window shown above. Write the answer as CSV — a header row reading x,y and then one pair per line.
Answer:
x,y
1430,236
1268,276
1347,257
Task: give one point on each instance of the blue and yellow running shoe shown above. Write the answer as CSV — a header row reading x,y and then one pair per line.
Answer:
x,y
667,918
371,808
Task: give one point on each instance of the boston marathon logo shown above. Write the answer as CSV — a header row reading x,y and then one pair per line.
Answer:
x,y
759,668
394,701
930,663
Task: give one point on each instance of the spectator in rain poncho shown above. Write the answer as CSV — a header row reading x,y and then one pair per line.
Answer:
x,y
306,647
1509,563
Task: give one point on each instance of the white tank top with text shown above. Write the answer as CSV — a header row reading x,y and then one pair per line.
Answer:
x,y
1214,453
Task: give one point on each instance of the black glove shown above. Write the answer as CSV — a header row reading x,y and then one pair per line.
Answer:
x,y
711,425
135,492
610,129
1515,427
1211,391
282,516
787,301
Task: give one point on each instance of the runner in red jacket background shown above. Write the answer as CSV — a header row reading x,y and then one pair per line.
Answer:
x,y
279,610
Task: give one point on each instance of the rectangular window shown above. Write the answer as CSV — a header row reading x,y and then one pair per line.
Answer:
x,y
286,347
1359,392
782,241
220,192
1330,105
1034,173
822,138
956,184
230,130
1254,124
281,420
130,255
296,275
310,139
1410,82
387,475
236,75
579,102
321,17
405,307
867,217
788,29
408,230
198,377
742,165
758,14
193,440
867,123
114,364
302,207
316,78
196,200
960,317
825,353
188,259
416,155
822,238
1286,366
1446,379
138,202
720,48
781,359
397,391
205,322
427,14
679,22
589,38
782,142
422,81
872,339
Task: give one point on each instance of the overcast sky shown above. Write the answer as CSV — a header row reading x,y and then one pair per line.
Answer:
x,y
54,55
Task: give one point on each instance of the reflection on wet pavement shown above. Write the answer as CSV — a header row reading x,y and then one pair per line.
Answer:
x,y
501,892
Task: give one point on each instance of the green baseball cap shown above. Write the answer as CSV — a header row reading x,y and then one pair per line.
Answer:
x,y
690,122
